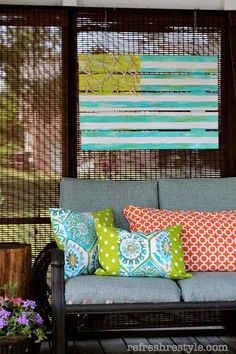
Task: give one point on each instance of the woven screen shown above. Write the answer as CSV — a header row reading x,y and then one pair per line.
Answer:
x,y
107,41
32,120
40,130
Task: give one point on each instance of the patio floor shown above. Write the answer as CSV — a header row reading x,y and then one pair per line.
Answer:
x,y
165,345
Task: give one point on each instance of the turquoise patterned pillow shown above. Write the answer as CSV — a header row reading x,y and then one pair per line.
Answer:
x,y
157,254
75,233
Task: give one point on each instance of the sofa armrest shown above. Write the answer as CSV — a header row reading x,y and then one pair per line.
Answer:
x,y
41,286
58,302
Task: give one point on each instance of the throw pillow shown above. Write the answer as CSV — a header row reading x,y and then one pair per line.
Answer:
x,y
208,238
157,254
75,233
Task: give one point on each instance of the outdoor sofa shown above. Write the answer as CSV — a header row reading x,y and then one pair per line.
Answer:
x,y
205,291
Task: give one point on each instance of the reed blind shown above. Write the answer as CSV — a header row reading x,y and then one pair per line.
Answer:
x,y
32,109
124,34
40,127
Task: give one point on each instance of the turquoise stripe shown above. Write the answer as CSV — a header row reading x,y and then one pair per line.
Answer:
x,y
179,58
145,118
191,88
178,76
198,71
141,146
196,133
146,105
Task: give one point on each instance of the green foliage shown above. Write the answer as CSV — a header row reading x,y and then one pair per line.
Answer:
x,y
28,72
11,127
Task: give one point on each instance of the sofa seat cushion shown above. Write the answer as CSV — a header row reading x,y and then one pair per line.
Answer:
x,y
209,286
99,290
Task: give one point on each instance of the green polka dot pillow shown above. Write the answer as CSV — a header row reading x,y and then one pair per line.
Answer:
x,y
75,233
157,254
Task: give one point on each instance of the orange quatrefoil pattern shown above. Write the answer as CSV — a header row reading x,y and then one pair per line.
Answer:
x,y
208,238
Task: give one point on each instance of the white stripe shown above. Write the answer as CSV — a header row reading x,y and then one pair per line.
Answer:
x,y
181,81
149,140
148,98
196,113
179,65
147,125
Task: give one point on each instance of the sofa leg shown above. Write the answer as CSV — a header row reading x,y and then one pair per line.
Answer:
x,y
58,303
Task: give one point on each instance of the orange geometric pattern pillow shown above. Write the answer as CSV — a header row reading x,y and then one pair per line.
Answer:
x,y
208,238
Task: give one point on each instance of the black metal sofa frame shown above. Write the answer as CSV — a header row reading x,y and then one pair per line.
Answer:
x,y
60,309
60,317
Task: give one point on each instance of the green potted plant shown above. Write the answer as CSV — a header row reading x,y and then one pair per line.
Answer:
x,y
20,325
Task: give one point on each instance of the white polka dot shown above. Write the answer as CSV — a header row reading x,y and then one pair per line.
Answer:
x,y
104,224
112,247
107,267
105,230
106,255
175,239
180,271
101,250
180,246
113,273
175,275
106,218
99,225
181,259
176,251
106,242
113,260
96,219
102,263
176,264
100,237
112,235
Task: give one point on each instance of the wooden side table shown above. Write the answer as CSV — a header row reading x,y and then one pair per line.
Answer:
x,y
15,267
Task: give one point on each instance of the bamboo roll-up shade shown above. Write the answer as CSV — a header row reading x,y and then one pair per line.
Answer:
x,y
32,100
121,135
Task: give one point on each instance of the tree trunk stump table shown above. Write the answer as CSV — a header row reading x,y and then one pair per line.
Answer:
x,y
15,267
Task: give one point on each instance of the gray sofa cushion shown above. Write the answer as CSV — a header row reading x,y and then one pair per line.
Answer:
x,y
209,286
89,195
198,194
101,289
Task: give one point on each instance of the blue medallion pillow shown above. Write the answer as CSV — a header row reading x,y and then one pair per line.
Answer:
x,y
75,233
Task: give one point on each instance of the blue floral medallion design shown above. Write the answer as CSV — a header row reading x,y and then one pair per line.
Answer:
x,y
163,249
81,228
144,255
75,234
132,250
75,260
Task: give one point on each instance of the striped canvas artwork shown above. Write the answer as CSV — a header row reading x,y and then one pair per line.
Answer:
x,y
148,102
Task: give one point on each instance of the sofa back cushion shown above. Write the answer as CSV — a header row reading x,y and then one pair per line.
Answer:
x,y
88,195
199,194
